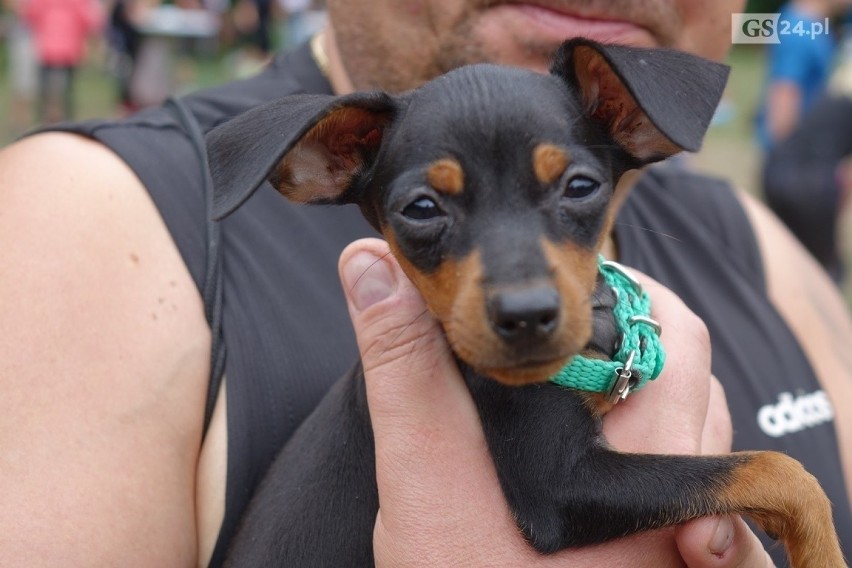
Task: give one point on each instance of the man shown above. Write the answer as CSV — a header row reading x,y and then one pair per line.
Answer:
x,y
106,350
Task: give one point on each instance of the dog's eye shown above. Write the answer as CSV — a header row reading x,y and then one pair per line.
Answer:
x,y
580,186
422,209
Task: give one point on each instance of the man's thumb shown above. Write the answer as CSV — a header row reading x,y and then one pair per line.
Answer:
x,y
433,469
407,362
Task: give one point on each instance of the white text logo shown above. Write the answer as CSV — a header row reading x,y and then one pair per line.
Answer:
x,y
770,28
795,414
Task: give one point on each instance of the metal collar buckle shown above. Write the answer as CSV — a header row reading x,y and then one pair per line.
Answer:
x,y
618,267
624,381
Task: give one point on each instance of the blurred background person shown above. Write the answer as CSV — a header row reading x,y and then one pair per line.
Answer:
x,y
250,30
799,67
807,175
124,41
23,67
801,180
174,38
303,18
60,29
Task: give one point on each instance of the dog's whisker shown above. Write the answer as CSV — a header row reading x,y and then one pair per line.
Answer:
x,y
649,230
372,264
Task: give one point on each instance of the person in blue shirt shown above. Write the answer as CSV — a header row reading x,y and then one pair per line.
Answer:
x,y
800,180
799,66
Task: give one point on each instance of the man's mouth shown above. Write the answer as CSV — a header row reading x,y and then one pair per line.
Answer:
x,y
554,22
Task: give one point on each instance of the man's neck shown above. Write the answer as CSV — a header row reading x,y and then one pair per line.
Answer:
x,y
333,69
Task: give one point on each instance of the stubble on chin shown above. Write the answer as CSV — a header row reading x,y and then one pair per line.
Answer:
x,y
465,48
399,63
396,62
404,67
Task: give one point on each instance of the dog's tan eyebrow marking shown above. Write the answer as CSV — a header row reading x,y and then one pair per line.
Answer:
x,y
446,175
549,162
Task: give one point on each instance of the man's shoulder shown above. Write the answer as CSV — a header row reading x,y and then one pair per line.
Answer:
x,y
106,345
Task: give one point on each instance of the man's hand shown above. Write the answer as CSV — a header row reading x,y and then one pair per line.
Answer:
x,y
440,501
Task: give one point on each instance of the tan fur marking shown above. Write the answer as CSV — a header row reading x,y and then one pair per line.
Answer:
x,y
322,164
455,294
439,289
597,403
623,187
575,274
549,163
788,503
446,175
527,375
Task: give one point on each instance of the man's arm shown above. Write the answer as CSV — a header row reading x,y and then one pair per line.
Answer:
x,y
813,308
104,355
789,63
783,100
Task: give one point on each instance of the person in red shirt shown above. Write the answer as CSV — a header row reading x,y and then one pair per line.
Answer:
x,y
60,29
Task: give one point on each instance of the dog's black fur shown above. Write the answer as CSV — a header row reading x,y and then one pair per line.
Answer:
x,y
476,170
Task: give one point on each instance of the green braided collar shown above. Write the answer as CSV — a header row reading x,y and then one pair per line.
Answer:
x,y
640,355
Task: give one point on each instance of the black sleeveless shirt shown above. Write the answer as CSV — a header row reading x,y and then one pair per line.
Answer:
x,y
287,330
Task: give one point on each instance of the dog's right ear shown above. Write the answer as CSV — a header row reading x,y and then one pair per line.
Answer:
x,y
653,102
310,147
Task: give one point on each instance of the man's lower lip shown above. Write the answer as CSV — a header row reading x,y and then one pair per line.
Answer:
x,y
559,26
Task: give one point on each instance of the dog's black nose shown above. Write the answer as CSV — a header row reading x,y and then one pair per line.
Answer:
x,y
526,315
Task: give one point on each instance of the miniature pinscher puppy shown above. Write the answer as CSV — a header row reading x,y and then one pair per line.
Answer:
x,y
495,188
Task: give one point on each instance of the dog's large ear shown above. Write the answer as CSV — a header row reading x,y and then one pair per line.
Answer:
x,y
310,147
653,102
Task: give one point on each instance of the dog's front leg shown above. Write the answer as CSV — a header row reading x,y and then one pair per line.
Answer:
x,y
567,488
318,503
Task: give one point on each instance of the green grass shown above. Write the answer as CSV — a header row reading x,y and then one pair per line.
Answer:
x,y
95,89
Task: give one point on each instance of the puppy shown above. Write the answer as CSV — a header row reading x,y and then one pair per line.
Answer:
x,y
495,188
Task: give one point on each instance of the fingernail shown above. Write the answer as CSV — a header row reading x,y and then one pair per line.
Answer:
x,y
723,537
368,280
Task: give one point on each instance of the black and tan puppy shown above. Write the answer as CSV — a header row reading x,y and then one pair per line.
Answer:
x,y
495,187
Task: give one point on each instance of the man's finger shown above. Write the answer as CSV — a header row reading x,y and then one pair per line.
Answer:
x,y
718,435
668,415
721,542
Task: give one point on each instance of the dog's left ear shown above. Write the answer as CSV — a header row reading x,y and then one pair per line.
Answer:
x,y
311,148
653,102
